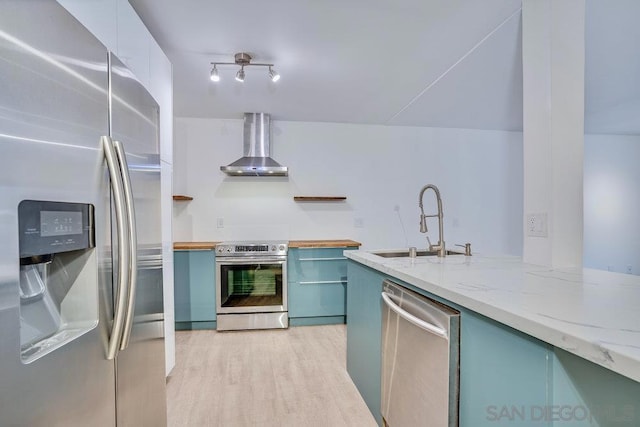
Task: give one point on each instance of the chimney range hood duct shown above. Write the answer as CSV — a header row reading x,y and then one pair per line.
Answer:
x,y
257,145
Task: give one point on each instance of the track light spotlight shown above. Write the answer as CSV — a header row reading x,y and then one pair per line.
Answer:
x,y
214,74
273,75
240,74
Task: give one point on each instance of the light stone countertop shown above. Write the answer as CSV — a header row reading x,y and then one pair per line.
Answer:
x,y
591,313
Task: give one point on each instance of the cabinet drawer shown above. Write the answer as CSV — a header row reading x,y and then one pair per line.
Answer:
x,y
296,254
317,265
318,270
317,299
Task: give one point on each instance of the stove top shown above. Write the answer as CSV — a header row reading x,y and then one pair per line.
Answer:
x,y
249,248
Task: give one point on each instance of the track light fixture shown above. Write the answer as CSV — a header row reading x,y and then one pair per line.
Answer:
x,y
214,74
240,74
243,60
273,75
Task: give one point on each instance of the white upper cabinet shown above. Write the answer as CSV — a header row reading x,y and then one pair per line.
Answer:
x,y
161,88
133,42
99,16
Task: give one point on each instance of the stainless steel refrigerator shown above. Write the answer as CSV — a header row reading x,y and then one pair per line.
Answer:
x,y
81,308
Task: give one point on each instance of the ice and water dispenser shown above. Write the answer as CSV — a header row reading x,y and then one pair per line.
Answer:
x,y
58,275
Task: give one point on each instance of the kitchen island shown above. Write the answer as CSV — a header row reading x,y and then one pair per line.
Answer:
x,y
533,339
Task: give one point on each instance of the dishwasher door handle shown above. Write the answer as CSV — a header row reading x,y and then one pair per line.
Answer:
x,y
413,319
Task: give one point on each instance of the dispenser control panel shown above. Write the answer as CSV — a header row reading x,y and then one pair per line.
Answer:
x,y
48,227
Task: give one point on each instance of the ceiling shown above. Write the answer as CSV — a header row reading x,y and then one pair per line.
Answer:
x,y
455,63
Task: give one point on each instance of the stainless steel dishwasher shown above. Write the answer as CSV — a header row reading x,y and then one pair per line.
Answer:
x,y
420,360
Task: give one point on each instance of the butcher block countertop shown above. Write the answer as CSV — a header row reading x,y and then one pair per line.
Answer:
x,y
322,243
194,246
204,246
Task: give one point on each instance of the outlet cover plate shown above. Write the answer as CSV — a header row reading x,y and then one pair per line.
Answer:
x,y
537,225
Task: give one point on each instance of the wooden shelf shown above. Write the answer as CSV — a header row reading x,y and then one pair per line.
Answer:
x,y
180,198
319,198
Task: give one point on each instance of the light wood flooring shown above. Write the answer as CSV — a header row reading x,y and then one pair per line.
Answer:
x,y
293,377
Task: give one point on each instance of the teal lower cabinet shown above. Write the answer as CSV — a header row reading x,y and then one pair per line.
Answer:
x,y
195,289
364,343
503,373
317,280
507,378
587,395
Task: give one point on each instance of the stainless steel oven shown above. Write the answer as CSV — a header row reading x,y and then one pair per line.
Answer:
x,y
251,285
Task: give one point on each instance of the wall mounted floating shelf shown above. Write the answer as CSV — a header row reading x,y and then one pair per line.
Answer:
x,y
181,198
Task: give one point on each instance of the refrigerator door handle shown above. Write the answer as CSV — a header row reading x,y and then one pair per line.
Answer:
x,y
132,243
123,249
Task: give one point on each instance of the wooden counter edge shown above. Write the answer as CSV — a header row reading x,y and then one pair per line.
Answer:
x,y
323,243
194,246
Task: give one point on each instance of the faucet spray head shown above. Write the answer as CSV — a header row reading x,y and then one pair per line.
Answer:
x,y
423,223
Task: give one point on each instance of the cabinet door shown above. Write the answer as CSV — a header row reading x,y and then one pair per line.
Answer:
x,y
315,299
316,264
317,282
364,323
194,286
505,375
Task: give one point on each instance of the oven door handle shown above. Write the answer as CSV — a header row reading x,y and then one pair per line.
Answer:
x,y
249,260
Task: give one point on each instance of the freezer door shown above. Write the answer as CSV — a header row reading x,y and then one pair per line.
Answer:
x,y
140,384
53,111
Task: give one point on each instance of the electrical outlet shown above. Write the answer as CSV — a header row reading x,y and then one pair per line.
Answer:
x,y
396,208
629,269
358,222
537,225
609,267
220,222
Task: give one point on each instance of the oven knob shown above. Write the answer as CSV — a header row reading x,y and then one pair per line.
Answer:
x,y
281,247
229,249
220,249
273,248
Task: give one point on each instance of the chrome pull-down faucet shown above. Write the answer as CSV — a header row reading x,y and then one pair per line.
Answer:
x,y
423,220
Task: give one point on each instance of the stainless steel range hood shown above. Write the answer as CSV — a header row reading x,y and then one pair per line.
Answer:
x,y
257,146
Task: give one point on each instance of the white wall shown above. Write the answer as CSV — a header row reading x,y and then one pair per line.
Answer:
x,y
378,168
612,202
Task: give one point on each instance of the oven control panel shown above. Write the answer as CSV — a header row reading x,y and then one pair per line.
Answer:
x,y
252,249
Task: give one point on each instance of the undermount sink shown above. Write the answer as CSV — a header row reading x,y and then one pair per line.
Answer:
x,y
405,253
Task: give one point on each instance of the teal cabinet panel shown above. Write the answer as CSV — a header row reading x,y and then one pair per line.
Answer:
x,y
306,253
586,395
504,374
364,342
317,299
194,286
317,264
318,269
181,291
317,279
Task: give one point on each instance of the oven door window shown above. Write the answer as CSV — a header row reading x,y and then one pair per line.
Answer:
x,y
251,285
